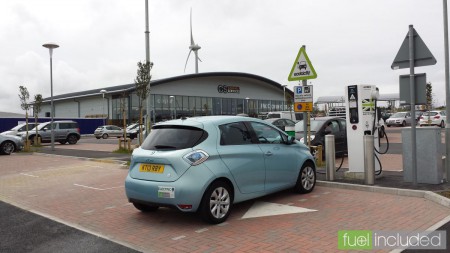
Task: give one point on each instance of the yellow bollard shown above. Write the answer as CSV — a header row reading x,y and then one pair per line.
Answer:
x,y
319,158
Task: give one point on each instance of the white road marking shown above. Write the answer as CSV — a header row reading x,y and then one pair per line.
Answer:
x,y
201,230
261,209
178,237
29,175
90,211
98,189
110,207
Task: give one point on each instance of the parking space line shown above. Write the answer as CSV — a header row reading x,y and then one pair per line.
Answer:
x,y
29,175
179,237
98,189
201,230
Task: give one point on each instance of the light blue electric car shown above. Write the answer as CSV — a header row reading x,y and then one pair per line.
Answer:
x,y
207,164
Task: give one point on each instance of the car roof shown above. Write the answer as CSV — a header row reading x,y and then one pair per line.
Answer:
x,y
204,120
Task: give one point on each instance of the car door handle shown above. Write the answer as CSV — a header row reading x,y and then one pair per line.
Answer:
x,y
268,153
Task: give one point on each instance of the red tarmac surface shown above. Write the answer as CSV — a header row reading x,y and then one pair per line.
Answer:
x,y
90,196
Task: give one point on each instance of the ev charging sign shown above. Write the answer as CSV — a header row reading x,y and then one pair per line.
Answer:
x,y
303,98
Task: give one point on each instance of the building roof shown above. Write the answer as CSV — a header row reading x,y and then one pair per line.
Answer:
x,y
130,87
341,99
11,115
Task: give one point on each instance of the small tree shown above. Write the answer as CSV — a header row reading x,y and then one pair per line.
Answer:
x,y
429,94
24,96
142,80
36,111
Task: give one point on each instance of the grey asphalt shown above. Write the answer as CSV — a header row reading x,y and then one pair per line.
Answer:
x,y
23,231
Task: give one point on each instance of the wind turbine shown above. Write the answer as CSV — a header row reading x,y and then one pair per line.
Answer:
x,y
193,47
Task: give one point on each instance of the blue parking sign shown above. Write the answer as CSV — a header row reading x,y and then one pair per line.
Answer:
x,y
298,90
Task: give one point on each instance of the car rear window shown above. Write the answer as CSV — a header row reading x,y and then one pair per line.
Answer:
x,y
430,114
169,137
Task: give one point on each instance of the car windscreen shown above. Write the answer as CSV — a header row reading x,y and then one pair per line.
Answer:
x,y
315,125
173,137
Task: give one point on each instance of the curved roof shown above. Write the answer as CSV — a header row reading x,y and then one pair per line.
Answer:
x,y
131,87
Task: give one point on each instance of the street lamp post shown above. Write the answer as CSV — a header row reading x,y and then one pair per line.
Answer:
x,y
50,47
103,105
284,97
174,113
246,99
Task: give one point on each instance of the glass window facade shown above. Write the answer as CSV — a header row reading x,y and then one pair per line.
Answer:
x,y
166,107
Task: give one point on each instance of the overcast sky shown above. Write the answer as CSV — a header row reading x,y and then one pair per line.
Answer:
x,y
348,42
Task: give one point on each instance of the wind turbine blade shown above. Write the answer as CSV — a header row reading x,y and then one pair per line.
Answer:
x,y
187,60
199,59
192,37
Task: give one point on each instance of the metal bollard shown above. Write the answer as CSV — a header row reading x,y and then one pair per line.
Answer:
x,y
330,157
369,160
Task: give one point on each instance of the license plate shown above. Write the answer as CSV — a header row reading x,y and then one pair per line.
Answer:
x,y
154,168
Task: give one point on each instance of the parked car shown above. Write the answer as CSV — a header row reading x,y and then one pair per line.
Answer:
x,y
64,131
322,126
399,119
108,131
337,111
281,123
433,118
385,115
295,116
133,131
207,164
10,144
19,129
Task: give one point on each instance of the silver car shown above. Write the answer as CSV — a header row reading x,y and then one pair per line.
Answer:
x,y
19,129
399,119
108,131
10,144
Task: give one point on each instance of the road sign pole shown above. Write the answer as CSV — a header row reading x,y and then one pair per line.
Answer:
x,y
413,104
447,94
305,121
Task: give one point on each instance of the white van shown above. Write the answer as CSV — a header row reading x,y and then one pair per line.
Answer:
x,y
295,116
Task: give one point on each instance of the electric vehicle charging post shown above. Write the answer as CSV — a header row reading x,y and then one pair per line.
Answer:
x,y
361,116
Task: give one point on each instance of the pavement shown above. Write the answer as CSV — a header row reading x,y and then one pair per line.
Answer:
x,y
81,186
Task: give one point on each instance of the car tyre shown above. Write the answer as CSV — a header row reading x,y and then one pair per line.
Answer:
x,y
7,147
105,136
306,178
72,139
403,123
442,124
62,142
216,203
145,208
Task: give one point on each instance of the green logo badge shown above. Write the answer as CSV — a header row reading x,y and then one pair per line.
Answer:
x,y
355,240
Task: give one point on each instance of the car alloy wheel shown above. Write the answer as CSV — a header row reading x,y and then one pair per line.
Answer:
x,y
72,139
7,147
105,136
306,179
216,203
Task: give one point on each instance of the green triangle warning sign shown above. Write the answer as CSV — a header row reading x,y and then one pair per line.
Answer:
x,y
302,68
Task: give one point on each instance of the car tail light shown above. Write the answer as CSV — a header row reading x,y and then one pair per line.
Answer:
x,y
421,117
437,117
78,130
196,157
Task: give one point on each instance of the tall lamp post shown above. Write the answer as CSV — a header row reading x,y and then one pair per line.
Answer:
x,y
246,99
103,105
284,97
50,47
